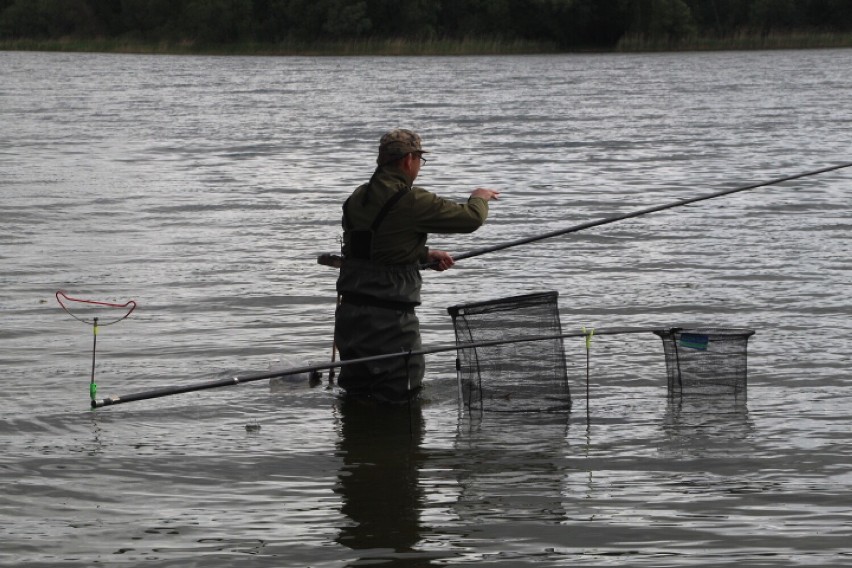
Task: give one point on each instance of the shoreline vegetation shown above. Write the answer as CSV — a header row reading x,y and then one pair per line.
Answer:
x,y
432,47
421,27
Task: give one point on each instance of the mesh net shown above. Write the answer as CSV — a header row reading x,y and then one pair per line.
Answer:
x,y
525,369
518,376
706,360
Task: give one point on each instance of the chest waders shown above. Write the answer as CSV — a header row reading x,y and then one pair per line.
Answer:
x,y
376,316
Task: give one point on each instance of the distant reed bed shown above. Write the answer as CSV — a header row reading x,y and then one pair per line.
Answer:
x,y
465,46
366,46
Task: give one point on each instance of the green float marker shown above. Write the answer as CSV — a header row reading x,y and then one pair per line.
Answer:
x,y
93,387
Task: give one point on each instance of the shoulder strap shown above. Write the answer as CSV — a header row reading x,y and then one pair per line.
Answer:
x,y
388,206
361,240
383,212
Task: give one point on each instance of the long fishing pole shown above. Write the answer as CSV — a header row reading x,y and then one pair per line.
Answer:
x,y
334,260
248,378
639,213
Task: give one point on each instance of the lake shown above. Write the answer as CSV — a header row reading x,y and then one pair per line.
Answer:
x,y
203,189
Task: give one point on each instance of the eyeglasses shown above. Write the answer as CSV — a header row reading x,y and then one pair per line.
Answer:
x,y
422,159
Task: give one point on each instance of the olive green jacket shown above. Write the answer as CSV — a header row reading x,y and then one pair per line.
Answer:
x,y
401,237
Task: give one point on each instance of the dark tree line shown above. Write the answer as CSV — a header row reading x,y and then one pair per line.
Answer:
x,y
565,23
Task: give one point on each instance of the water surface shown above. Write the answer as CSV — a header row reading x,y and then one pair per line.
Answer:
x,y
204,187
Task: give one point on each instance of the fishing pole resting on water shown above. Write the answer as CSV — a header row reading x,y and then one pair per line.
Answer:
x,y
293,371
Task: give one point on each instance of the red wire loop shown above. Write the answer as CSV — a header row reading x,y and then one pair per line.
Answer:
x,y
129,306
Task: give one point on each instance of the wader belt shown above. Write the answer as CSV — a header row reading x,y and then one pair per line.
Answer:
x,y
356,299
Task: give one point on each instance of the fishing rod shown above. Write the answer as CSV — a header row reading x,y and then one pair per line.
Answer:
x,y
335,260
639,213
253,377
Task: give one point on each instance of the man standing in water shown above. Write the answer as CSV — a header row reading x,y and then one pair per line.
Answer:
x,y
385,226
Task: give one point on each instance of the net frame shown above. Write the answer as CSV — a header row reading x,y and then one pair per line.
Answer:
x,y
527,328
526,373
706,361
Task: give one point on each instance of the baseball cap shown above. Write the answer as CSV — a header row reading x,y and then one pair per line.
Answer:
x,y
397,143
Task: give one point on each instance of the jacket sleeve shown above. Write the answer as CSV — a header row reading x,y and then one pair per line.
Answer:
x,y
433,214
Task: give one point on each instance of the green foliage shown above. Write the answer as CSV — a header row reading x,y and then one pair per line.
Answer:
x,y
47,18
414,19
347,19
217,21
732,16
767,15
150,19
669,20
566,24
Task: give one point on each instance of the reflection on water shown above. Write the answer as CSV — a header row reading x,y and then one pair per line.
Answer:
x,y
706,426
379,481
511,466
